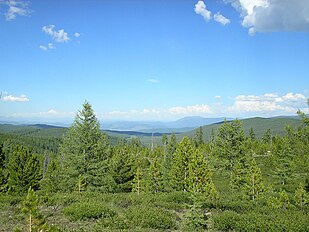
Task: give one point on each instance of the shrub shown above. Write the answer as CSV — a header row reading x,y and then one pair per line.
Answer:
x,y
146,216
88,210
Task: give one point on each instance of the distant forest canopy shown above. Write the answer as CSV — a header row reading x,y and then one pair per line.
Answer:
x,y
223,176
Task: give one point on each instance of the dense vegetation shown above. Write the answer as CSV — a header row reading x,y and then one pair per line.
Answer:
x,y
235,181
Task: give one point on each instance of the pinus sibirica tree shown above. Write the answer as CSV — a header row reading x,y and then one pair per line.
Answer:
x,y
85,151
138,182
254,185
179,174
200,180
35,220
24,170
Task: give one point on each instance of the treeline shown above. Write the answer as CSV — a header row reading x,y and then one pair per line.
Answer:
x,y
273,171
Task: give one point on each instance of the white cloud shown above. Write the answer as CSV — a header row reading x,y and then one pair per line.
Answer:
x,y
51,113
273,15
59,36
153,81
221,19
76,34
269,102
15,8
48,47
12,98
191,110
200,8
217,97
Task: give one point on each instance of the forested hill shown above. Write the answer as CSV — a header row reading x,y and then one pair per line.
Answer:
x,y
259,125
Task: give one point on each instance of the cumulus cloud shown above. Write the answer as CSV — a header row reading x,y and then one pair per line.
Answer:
x,y
16,8
12,98
221,19
269,102
59,36
48,47
200,8
153,81
273,15
76,34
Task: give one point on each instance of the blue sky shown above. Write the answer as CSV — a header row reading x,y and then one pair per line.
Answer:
x,y
154,59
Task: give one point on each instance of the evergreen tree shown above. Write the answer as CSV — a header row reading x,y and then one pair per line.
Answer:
x,y
123,169
196,219
179,174
169,149
252,135
300,196
284,200
35,220
200,180
156,177
267,137
52,178
198,138
284,163
24,170
254,185
81,184
85,151
137,183
229,144
3,171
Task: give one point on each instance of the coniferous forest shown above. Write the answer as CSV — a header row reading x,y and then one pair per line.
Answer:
x,y
234,181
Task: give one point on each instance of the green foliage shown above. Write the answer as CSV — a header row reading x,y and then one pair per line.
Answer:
x,y
85,151
138,183
52,178
81,184
35,221
123,168
200,180
229,143
145,216
24,170
198,138
195,219
300,196
254,185
179,174
155,183
88,210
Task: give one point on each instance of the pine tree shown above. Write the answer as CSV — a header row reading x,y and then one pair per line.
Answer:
x,y
35,220
3,171
137,183
200,180
52,178
156,177
252,135
254,185
284,200
195,219
198,138
300,196
81,184
123,169
169,150
179,174
229,143
85,151
24,170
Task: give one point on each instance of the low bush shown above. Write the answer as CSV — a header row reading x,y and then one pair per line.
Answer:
x,y
88,210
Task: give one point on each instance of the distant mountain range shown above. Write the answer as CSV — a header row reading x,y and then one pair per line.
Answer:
x,y
178,126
